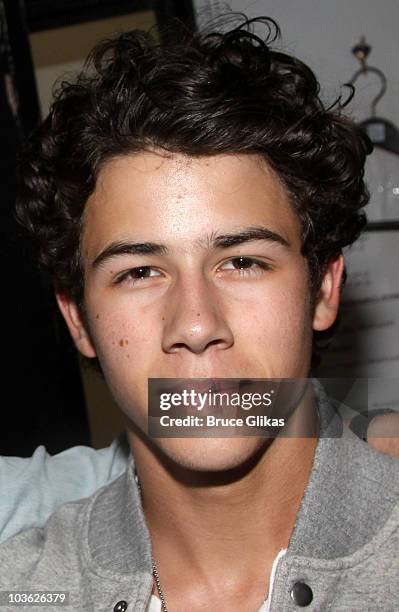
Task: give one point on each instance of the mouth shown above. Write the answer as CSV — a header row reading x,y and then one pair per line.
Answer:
x,y
199,385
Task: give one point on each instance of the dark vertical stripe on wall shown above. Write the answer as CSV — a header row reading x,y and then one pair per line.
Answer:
x,y
42,399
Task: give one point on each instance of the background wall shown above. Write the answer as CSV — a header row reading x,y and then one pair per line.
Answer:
x,y
42,392
55,55
322,34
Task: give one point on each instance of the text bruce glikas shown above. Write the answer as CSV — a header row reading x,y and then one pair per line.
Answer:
x,y
198,400
214,421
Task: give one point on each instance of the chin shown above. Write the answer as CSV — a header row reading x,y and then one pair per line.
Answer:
x,y
212,454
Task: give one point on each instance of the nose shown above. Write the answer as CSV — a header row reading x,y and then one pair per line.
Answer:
x,y
195,320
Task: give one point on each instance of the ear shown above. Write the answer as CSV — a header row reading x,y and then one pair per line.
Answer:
x,y
76,326
327,302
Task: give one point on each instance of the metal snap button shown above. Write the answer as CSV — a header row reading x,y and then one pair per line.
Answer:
x,y
301,594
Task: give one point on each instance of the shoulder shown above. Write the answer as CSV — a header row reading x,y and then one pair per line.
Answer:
x,y
40,551
374,493
33,487
351,499
94,550
375,473
365,482
57,549
101,534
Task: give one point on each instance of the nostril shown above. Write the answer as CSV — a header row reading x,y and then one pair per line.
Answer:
x,y
176,347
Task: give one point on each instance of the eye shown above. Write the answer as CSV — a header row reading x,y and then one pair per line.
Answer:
x,y
245,266
135,275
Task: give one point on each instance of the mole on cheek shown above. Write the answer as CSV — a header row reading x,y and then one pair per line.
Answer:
x,y
121,342
97,316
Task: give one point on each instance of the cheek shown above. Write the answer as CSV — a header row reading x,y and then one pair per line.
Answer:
x,y
280,308
278,327
121,337
123,343
126,352
294,333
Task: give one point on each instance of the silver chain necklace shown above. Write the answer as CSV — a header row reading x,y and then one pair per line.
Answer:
x,y
158,585
154,565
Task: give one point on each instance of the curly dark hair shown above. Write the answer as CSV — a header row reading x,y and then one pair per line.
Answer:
x,y
201,93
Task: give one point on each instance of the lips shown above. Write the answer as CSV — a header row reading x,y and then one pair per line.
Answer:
x,y
192,396
200,385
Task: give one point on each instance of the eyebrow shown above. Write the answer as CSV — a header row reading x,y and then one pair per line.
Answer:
x,y
128,248
218,241
249,234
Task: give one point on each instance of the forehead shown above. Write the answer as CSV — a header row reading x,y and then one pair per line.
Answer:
x,y
181,199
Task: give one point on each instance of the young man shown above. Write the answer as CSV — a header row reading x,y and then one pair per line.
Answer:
x,y
191,203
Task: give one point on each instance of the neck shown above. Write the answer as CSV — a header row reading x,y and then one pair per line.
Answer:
x,y
198,522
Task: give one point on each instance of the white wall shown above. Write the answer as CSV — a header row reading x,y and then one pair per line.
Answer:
x,y
322,33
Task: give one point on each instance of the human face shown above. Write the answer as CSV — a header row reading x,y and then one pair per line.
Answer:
x,y
218,287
